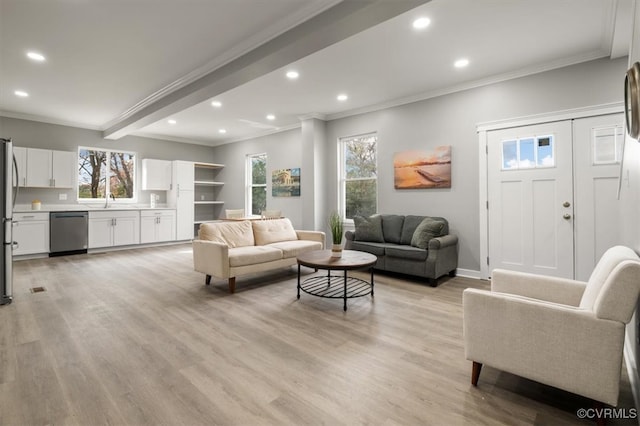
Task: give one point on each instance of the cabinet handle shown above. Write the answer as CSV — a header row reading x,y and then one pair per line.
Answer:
x,y
54,182
28,217
24,181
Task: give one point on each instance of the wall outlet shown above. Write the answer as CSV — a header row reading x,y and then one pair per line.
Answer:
x,y
62,197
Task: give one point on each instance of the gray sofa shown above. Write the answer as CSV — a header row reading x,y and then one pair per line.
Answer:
x,y
414,245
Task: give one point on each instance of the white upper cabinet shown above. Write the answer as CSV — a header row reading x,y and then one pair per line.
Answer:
x,y
44,168
156,175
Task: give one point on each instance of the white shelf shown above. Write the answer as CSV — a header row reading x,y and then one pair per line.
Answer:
x,y
208,202
200,222
209,165
207,183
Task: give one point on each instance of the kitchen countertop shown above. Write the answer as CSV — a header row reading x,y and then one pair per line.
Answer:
x,y
46,208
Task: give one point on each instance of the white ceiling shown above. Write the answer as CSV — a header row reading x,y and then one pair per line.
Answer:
x,y
125,66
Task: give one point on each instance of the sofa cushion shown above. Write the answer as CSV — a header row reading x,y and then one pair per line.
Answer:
x,y
428,229
273,231
233,234
369,247
409,227
251,255
369,228
294,248
392,227
406,252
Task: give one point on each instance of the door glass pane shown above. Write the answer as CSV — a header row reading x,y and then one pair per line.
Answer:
x,y
92,172
545,152
527,154
509,155
607,145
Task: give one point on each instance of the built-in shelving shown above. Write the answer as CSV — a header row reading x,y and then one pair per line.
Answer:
x,y
207,204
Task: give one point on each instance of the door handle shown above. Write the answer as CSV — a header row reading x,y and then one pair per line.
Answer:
x,y
566,216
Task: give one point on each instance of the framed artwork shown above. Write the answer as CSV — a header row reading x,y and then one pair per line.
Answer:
x,y
285,183
423,169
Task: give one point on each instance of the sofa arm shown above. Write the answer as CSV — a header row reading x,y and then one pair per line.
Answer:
x,y
546,342
211,258
442,256
442,242
350,235
552,289
318,236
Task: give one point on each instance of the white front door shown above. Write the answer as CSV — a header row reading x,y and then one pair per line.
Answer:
x,y
530,194
598,150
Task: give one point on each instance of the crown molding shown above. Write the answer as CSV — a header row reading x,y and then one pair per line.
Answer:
x,y
49,120
523,72
316,115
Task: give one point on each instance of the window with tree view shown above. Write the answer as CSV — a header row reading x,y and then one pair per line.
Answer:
x,y
102,174
257,179
359,175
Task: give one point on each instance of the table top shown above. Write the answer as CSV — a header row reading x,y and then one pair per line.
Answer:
x,y
351,259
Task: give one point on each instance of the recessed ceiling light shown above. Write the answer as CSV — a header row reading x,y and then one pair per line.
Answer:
x,y
171,121
271,117
461,63
292,74
216,104
21,93
421,23
342,97
35,56
222,131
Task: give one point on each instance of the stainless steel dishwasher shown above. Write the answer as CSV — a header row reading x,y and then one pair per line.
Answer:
x,y
68,233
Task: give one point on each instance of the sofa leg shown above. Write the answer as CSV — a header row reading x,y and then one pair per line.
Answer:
x,y
475,373
600,420
433,282
452,273
232,285
207,280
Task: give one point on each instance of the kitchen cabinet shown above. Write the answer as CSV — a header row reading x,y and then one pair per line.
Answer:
x,y
207,205
114,228
30,233
157,226
181,197
156,175
45,168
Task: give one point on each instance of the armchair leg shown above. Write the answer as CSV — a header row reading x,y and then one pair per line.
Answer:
x,y
207,280
232,285
475,373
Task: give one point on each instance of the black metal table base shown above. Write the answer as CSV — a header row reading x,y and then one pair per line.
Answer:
x,y
336,286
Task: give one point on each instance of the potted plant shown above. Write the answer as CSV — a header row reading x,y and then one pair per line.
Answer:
x,y
337,227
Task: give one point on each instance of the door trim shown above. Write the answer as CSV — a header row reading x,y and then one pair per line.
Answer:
x,y
483,128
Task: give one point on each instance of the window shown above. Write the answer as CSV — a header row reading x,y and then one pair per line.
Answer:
x,y
98,167
607,145
528,153
256,183
358,175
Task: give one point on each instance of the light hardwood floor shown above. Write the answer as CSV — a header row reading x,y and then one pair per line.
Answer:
x,y
135,337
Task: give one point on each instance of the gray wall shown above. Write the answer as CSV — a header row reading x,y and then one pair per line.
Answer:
x,y
34,134
446,120
284,151
451,120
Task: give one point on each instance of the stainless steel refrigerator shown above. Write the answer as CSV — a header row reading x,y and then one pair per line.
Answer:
x,y
7,199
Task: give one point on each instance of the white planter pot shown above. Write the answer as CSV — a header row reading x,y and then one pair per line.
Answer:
x,y
336,250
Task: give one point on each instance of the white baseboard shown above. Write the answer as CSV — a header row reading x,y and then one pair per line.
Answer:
x,y
468,273
632,370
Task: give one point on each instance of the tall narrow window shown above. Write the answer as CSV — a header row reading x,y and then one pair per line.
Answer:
x,y
256,196
358,175
103,173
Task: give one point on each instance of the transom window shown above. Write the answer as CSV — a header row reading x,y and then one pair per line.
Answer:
x,y
256,195
358,180
104,173
528,153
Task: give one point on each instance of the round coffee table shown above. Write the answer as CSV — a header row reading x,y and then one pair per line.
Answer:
x,y
329,285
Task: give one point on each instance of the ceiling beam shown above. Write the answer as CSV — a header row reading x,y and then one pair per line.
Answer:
x,y
331,26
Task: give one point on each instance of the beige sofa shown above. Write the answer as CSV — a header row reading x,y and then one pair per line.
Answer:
x,y
230,249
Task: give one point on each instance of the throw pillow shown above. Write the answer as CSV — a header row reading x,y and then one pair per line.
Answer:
x,y
369,228
427,230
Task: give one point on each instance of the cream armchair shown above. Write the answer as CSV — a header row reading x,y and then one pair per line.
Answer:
x,y
563,333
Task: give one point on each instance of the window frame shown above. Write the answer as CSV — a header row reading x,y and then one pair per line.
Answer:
x,y
249,185
342,172
108,152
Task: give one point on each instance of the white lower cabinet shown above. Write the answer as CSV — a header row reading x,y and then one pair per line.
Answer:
x,y
30,233
114,228
157,226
